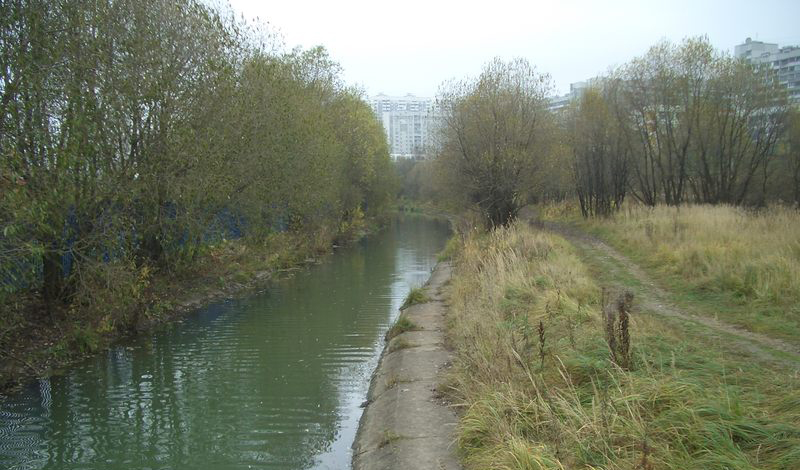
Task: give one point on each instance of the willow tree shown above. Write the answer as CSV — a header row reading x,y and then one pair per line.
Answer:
x,y
495,137
181,66
53,141
284,141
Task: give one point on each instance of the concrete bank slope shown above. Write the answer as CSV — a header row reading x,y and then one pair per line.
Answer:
x,y
406,424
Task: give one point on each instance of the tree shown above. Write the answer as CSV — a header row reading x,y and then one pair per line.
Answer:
x,y
131,130
700,125
495,137
663,91
742,117
793,152
601,156
368,181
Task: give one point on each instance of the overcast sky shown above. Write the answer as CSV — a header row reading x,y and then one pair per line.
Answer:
x,y
411,46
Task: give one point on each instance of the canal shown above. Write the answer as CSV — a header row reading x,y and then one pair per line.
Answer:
x,y
271,381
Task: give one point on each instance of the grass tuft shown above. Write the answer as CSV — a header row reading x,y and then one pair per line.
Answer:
x,y
402,325
399,344
417,295
388,437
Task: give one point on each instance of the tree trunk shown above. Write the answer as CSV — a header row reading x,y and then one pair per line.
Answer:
x,y
53,279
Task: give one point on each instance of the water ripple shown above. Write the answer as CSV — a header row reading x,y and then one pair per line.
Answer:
x,y
271,381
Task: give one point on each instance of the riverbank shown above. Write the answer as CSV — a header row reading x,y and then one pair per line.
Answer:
x,y
565,359
34,344
407,423
274,377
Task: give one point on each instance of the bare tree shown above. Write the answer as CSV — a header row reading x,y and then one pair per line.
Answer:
x,y
663,90
742,117
601,155
793,150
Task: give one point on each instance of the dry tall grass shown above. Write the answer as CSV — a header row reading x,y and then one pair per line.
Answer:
x,y
538,388
754,256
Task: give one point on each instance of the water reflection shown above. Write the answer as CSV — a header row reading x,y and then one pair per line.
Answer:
x,y
271,381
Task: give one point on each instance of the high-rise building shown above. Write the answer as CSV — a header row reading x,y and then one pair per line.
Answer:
x,y
557,103
409,122
784,60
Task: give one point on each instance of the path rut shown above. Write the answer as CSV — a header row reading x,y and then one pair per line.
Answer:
x,y
657,300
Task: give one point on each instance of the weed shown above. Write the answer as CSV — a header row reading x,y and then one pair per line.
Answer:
x,y
616,327
644,463
571,326
399,344
394,380
450,250
241,277
86,340
417,295
402,325
541,343
388,437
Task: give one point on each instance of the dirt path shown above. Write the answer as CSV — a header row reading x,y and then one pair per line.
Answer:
x,y
406,424
653,298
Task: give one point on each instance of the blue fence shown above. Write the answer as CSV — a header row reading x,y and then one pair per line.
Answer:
x,y
26,270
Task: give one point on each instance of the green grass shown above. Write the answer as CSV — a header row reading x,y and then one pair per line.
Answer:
x,y
417,295
690,398
402,325
450,250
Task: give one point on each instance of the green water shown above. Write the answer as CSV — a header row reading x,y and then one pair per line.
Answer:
x,y
274,380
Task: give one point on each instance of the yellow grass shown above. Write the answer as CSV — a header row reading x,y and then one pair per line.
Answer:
x,y
563,404
755,254
751,258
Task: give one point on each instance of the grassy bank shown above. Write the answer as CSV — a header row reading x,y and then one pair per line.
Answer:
x,y
744,264
34,343
539,387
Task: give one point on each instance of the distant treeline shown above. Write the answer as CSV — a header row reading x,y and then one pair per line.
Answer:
x,y
683,123
131,130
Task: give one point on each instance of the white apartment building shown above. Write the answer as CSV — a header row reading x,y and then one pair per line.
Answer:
x,y
575,92
784,60
409,122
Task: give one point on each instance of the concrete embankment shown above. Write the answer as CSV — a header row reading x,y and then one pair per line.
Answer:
x,y
406,423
